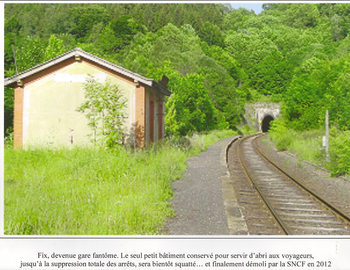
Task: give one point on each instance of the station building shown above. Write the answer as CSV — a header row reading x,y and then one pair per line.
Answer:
x,y
47,96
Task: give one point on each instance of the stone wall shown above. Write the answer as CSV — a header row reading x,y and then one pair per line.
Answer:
x,y
255,113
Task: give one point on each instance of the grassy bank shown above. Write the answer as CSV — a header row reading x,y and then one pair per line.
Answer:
x,y
307,145
85,191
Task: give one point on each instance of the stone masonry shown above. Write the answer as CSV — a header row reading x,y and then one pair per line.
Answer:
x,y
256,112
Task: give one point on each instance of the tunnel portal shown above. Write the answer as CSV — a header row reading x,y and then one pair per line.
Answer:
x,y
265,125
259,115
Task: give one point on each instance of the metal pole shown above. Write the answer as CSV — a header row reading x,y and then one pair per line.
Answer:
x,y
327,137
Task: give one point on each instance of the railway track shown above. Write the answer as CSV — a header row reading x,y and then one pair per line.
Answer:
x,y
273,202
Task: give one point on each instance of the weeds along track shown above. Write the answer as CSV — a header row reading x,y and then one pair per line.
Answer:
x,y
273,202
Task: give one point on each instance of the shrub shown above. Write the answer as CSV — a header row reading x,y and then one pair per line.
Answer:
x,y
190,108
8,140
339,150
281,135
307,146
104,108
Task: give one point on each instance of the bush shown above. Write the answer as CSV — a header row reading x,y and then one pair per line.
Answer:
x,y
104,107
246,130
8,140
190,108
339,150
306,145
281,135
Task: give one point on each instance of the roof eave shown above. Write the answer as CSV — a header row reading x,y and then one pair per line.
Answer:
x,y
11,81
159,87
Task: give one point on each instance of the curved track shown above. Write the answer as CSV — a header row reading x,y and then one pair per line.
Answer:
x,y
273,202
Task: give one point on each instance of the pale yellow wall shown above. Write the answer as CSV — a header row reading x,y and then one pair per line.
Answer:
x,y
50,104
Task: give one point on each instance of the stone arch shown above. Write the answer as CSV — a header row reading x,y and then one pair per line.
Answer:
x,y
265,123
255,113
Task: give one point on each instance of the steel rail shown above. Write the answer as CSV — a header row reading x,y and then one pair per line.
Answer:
x,y
279,221
321,200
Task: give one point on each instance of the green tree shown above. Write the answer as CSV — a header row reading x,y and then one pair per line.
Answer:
x,y
29,52
54,48
187,54
190,108
104,108
8,110
260,59
118,34
316,87
342,24
340,153
12,28
302,15
268,75
211,34
85,17
12,25
235,19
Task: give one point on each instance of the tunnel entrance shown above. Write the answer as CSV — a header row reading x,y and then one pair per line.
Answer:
x,y
265,125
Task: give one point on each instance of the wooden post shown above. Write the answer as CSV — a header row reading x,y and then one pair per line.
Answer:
x,y
327,137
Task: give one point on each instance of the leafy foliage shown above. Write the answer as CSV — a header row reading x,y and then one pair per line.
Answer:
x,y
307,145
340,153
319,86
104,108
190,108
85,17
211,34
293,53
281,135
54,48
8,110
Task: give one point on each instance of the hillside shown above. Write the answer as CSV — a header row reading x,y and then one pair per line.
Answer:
x,y
297,54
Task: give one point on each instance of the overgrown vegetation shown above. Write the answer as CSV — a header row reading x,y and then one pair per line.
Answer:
x,y
307,145
95,190
340,152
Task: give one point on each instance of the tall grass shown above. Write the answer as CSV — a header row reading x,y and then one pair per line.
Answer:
x,y
86,191
200,142
307,145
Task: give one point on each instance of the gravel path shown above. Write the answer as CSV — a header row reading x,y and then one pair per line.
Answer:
x,y
205,203
198,200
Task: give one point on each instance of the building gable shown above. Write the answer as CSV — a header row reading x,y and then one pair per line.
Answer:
x,y
79,55
47,96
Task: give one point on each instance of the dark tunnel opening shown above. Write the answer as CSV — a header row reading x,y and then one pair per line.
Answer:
x,y
265,125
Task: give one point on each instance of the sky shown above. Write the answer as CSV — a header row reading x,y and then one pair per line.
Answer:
x,y
257,7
